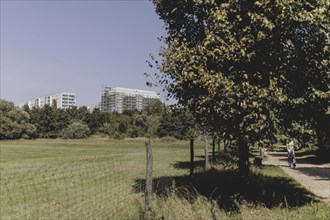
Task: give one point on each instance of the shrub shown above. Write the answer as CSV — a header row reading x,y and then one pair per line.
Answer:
x,y
76,130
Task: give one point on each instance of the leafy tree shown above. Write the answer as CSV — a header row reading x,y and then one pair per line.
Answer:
x,y
96,120
153,122
148,121
82,113
154,108
303,134
118,126
73,113
61,119
123,124
46,121
176,122
232,63
14,122
306,80
139,125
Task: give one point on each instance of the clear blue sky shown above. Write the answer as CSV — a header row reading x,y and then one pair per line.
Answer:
x,y
75,46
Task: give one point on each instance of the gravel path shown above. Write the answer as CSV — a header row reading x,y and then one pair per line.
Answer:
x,y
314,177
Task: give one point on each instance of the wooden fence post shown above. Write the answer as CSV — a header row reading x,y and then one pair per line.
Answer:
x,y
191,157
149,165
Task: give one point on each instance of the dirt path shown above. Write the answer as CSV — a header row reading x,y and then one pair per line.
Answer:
x,y
314,177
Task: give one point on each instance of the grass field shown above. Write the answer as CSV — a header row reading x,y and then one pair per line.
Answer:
x,y
104,179
79,178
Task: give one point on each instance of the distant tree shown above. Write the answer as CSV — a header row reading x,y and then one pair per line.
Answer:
x,y
154,108
139,125
153,123
96,120
176,122
61,119
26,108
152,114
130,112
45,120
14,122
123,124
73,113
82,113
118,125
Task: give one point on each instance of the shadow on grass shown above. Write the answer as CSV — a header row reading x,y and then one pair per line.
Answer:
x,y
224,158
186,164
225,187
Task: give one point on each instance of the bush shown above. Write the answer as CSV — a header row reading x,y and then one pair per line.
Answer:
x,y
75,130
29,131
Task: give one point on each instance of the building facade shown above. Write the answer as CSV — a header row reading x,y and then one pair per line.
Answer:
x,y
63,100
119,99
92,107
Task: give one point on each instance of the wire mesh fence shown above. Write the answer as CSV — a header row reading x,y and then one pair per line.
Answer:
x,y
109,186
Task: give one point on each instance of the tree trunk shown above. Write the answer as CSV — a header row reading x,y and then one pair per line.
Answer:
x,y
213,149
224,145
243,158
219,141
206,153
191,157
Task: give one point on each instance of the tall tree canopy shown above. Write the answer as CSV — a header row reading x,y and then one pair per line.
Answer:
x,y
244,67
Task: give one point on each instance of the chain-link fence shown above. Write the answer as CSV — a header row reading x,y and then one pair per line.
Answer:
x,y
109,186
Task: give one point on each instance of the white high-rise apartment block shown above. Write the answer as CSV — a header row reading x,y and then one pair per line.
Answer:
x,y
119,99
63,100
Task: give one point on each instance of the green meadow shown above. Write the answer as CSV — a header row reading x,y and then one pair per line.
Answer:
x,y
104,179
91,178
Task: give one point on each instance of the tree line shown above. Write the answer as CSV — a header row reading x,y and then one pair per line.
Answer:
x,y
155,120
250,70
